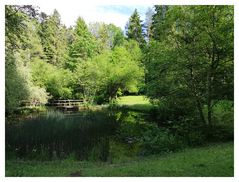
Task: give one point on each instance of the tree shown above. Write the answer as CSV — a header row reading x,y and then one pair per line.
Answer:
x,y
108,36
126,73
134,28
159,22
116,35
58,82
15,19
53,38
90,77
200,46
105,75
83,47
22,45
147,24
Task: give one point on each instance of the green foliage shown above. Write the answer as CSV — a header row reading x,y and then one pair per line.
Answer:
x,y
16,17
159,25
91,76
189,61
108,73
134,28
126,72
14,81
57,82
22,45
107,35
53,39
102,63
155,141
84,45
224,113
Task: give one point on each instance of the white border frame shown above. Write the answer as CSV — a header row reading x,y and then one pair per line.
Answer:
x,y
119,2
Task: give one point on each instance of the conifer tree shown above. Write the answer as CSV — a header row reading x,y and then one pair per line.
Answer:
x,y
159,25
83,47
134,28
53,38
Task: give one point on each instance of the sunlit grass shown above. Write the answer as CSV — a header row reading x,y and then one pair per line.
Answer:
x,y
136,103
131,100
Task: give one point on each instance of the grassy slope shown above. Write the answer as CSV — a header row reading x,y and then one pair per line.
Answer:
x,y
216,160
138,103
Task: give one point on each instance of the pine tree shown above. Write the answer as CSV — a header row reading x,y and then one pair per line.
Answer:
x,y
159,24
83,47
134,28
53,38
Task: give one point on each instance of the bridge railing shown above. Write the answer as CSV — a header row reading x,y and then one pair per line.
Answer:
x,y
62,103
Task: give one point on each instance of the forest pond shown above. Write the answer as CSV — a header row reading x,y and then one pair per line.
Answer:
x,y
85,135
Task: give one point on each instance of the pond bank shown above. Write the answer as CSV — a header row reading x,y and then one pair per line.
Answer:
x,y
214,160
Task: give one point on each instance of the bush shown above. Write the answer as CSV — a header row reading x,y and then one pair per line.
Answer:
x,y
223,113
196,133
219,133
190,129
156,140
171,110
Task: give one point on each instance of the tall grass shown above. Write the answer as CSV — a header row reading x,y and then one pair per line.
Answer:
x,y
57,136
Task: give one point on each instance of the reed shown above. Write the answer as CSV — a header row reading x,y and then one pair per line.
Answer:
x,y
57,136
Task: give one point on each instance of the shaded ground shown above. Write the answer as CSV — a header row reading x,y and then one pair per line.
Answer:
x,y
215,160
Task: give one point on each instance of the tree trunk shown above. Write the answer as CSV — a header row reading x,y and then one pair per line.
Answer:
x,y
194,90
210,76
199,107
209,98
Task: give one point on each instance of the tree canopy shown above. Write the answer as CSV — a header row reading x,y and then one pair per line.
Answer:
x,y
188,61
182,57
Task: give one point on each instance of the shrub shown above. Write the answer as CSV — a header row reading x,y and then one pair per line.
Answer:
x,y
219,133
156,140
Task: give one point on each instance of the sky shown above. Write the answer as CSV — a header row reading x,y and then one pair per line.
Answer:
x,y
116,14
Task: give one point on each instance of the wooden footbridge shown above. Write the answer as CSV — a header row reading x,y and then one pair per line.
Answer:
x,y
66,105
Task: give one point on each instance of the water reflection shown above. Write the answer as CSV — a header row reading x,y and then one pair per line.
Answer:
x,y
84,135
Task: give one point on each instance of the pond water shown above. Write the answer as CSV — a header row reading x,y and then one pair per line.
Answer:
x,y
85,135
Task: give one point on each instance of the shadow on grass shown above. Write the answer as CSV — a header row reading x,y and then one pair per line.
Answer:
x,y
138,107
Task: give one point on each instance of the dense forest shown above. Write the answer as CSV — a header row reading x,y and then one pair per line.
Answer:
x,y
180,57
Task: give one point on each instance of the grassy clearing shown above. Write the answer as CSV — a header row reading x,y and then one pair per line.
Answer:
x,y
131,100
215,160
137,103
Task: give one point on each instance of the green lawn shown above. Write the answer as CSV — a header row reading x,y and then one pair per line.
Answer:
x,y
138,103
131,100
215,160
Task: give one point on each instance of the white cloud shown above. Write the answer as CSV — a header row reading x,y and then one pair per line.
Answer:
x,y
70,13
